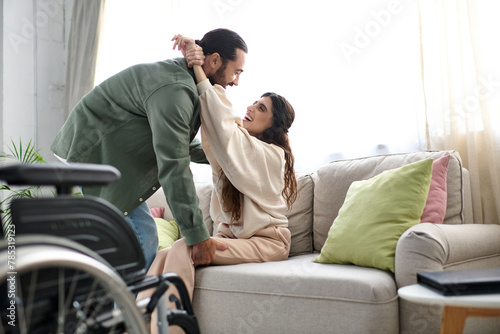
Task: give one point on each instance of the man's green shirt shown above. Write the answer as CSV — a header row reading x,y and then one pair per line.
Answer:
x,y
143,121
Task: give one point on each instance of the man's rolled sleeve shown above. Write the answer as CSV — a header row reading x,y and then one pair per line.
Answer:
x,y
196,152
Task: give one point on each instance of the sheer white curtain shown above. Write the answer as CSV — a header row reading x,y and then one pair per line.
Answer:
x,y
135,32
86,22
461,84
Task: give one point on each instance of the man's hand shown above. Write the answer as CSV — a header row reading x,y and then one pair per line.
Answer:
x,y
204,252
192,52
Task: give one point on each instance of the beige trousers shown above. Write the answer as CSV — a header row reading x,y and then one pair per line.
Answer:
x,y
268,244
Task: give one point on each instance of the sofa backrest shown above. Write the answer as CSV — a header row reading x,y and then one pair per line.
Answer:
x,y
321,194
332,181
300,216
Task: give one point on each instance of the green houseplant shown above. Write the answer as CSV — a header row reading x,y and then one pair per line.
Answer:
x,y
21,153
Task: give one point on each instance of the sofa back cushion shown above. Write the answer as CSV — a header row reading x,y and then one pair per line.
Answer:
x,y
332,181
300,217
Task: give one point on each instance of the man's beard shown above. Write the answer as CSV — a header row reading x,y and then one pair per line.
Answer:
x,y
219,77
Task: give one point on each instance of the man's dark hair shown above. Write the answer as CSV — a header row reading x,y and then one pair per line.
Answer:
x,y
224,42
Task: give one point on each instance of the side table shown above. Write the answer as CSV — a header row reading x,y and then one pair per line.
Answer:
x,y
456,308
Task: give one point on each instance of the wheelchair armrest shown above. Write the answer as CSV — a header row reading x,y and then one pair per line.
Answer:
x,y
59,175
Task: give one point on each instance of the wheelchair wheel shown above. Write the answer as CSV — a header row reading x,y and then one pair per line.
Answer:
x,y
53,289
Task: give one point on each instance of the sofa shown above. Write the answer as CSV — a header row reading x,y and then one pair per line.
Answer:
x,y
302,296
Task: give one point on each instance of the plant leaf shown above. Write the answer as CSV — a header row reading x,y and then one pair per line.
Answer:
x,y
27,154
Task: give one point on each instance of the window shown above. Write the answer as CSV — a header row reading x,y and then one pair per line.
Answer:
x,y
350,69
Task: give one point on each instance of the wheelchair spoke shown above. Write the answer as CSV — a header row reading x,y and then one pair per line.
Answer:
x,y
27,309
82,314
61,314
99,305
92,293
71,292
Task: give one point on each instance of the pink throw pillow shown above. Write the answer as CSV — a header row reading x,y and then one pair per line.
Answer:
x,y
157,212
435,207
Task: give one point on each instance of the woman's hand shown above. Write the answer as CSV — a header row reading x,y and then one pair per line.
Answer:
x,y
192,52
195,56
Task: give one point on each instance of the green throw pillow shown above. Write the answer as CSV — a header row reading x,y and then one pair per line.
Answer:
x,y
375,213
168,232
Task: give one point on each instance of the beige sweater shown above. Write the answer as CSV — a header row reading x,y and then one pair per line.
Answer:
x,y
255,168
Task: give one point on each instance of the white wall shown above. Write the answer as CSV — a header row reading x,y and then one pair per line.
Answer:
x,y
35,34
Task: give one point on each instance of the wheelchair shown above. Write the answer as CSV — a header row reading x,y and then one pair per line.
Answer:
x,y
72,264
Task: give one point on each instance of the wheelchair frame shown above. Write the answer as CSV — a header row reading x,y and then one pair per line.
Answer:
x,y
79,258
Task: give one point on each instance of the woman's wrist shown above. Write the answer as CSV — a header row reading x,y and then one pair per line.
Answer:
x,y
199,73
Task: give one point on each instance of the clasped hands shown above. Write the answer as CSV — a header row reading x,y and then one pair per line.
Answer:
x,y
190,50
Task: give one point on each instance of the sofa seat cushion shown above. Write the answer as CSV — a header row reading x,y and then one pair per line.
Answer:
x,y
258,297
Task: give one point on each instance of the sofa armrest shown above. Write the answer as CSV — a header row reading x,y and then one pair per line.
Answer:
x,y
430,247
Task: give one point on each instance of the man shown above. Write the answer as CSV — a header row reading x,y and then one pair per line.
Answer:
x,y
143,121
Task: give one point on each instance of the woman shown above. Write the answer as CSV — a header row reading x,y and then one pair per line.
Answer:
x,y
253,177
